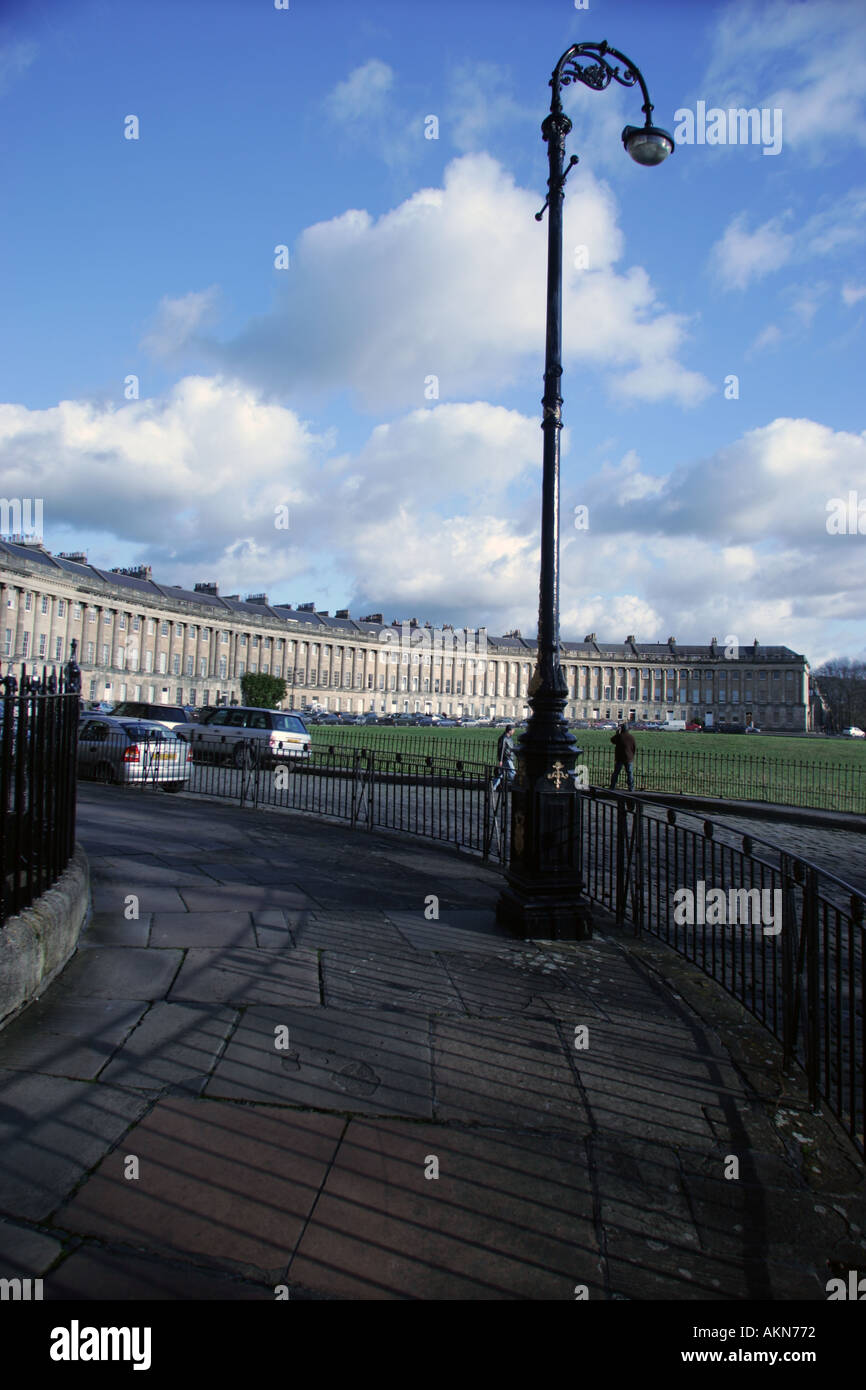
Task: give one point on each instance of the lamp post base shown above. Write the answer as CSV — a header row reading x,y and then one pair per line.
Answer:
x,y
557,916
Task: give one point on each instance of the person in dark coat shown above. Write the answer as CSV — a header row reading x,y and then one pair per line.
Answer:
x,y
624,749
506,764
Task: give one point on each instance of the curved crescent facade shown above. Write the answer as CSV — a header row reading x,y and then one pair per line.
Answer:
x,y
143,640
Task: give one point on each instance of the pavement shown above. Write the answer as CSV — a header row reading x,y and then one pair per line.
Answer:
x,y
294,1060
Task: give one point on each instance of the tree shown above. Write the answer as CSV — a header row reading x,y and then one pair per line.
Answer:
x,y
841,686
261,690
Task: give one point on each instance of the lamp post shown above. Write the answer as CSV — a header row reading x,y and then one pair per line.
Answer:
x,y
544,890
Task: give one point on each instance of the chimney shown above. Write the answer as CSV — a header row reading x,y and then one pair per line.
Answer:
x,y
78,556
341,613
373,618
257,598
306,608
208,588
134,571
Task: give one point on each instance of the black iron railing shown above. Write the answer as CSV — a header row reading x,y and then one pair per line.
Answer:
x,y
822,783
37,783
783,936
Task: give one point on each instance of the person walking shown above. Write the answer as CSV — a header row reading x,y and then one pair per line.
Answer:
x,y
506,763
624,749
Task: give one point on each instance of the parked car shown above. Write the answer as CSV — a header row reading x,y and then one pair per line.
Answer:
x,y
853,731
368,718
229,732
177,717
386,719
446,723
132,750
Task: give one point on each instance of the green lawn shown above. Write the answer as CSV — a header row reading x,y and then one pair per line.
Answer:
x,y
818,771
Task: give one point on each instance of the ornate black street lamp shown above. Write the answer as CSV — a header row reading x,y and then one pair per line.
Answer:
x,y
544,892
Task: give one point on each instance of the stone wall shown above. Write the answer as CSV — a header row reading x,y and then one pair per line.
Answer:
x,y
35,945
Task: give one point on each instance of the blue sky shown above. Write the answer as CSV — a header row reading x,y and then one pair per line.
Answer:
x,y
308,387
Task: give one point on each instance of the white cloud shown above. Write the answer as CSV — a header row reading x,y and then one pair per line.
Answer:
x,y
436,516
822,50
852,294
451,283
177,322
363,92
742,255
768,337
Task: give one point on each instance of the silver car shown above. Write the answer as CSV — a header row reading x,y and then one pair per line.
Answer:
x,y
132,750
233,732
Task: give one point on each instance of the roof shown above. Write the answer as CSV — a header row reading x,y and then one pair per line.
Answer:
x,y
322,624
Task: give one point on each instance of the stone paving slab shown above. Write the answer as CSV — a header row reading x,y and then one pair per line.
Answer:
x,y
63,1036
93,1273
232,1184
277,929
249,977
52,1131
118,972
202,929
25,1254
243,897
468,929
506,1218
114,929
368,1063
137,874
108,896
350,928
514,1072
375,980
174,1045
503,987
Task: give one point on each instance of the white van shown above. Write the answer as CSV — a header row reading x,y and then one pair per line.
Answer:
x,y
674,724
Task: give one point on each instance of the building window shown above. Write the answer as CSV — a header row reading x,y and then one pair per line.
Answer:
x,y
203,671
136,623
223,668
58,648
106,618
178,632
148,661
44,603
28,602
121,622
151,626
105,654
175,664
190,666
163,628
91,615
42,641
242,668
119,657
163,663
90,651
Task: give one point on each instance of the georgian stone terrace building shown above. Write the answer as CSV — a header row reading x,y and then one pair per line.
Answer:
x,y
140,640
